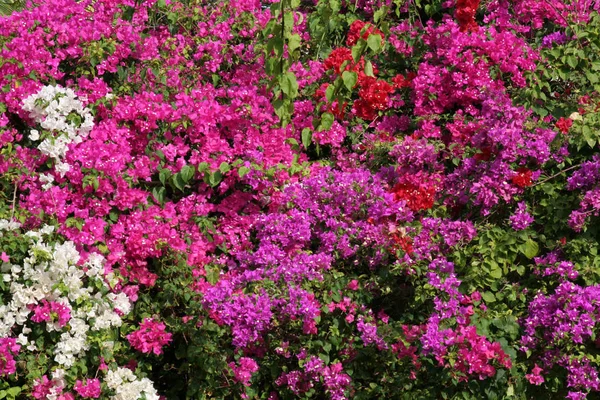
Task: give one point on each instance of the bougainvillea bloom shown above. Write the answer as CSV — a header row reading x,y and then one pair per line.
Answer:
x,y
90,390
535,378
337,58
243,370
8,350
564,124
465,14
522,178
367,29
150,337
417,197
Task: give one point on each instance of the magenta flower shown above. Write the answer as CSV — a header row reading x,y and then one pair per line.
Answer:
x,y
51,312
535,378
243,372
151,337
8,349
90,390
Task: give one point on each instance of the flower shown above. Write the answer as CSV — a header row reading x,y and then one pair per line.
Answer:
x,y
358,26
243,372
90,390
465,14
521,219
150,337
564,124
522,178
535,378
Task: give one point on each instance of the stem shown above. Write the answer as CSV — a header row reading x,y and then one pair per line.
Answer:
x,y
14,202
283,38
557,174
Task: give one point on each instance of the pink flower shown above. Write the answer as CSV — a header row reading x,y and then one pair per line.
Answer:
x,y
41,388
151,337
8,349
4,257
91,389
535,378
309,327
243,372
353,285
51,312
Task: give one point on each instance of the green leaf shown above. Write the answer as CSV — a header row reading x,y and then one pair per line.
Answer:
x,y
224,167
203,167
374,42
530,249
369,69
378,14
591,76
294,42
187,173
178,182
289,84
350,79
329,93
215,178
496,272
163,175
306,137
357,50
488,297
13,392
288,20
510,391
159,194
326,122
243,171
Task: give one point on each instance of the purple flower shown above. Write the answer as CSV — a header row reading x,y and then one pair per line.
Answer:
x,y
555,38
521,219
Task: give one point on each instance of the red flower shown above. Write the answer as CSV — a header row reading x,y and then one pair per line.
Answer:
x,y
564,124
364,110
403,242
337,57
401,82
376,93
485,155
522,178
354,34
465,14
416,197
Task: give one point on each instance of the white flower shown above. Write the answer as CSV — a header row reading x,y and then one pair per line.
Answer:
x,y
54,107
576,116
120,302
128,387
62,168
47,180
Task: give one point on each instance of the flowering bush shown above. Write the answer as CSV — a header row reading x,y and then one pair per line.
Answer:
x,y
300,199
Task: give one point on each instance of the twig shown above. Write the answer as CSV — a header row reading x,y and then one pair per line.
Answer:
x,y
14,202
557,174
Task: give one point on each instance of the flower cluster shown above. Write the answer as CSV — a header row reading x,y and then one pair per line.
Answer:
x,y
58,111
126,386
150,337
244,370
318,198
